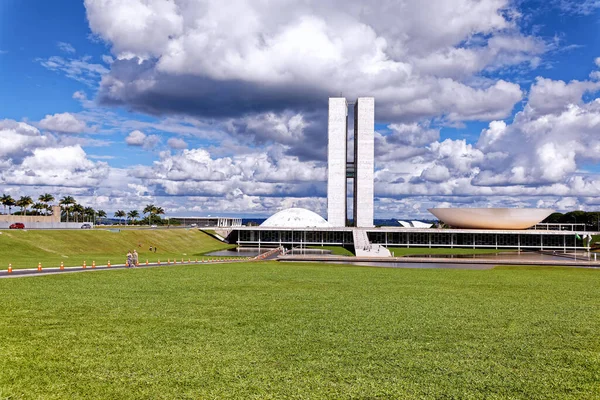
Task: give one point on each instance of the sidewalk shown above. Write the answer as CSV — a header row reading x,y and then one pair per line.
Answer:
x,y
19,273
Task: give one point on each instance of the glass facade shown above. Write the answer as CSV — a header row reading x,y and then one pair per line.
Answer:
x,y
539,240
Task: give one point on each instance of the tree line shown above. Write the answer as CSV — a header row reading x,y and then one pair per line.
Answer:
x,y
590,218
71,211
151,213
24,202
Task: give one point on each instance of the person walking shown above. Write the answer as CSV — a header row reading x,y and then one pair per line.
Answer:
x,y
129,259
135,258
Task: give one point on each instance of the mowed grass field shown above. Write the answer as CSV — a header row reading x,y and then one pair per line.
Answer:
x,y
302,331
26,248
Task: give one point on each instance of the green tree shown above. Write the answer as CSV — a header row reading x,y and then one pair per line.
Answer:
x,y
553,218
120,214
24,202
149,210
66,203
46,198
158,211
78,211
594,220
38,207
101,214
7,201
133,215
90,213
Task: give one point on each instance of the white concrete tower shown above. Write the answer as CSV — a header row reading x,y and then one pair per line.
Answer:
x,y
337,128
364,161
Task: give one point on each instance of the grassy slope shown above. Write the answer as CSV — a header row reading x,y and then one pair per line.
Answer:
x,y
266,330
24,249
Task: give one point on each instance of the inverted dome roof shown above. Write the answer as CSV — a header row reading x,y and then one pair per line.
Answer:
x,y
296,218
491,218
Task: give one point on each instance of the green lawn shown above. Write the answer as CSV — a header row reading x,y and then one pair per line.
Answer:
x,y
24,249
403,251
273,331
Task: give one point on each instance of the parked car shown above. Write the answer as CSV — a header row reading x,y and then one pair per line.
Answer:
x,y
86,226
153,226
17,225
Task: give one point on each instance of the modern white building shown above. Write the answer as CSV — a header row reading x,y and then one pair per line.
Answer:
x,y
360,169
474,228
337,130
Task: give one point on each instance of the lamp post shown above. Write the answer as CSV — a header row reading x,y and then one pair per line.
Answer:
x,y
94,206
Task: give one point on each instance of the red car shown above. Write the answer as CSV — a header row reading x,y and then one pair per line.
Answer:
x,y
17,225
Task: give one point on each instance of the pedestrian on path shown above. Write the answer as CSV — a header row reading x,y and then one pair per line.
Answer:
x,y
135,258
129,259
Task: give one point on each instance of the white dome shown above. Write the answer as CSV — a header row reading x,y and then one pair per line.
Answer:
x,y
296,218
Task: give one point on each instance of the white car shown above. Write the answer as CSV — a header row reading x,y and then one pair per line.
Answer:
x,y
153,226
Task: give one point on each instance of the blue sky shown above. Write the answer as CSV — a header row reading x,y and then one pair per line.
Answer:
x,y
208,110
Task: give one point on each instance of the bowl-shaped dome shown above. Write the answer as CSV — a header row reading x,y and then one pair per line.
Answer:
x,y
296,218
491,218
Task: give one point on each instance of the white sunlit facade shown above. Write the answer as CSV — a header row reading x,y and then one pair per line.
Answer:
x,y
360,169
337,193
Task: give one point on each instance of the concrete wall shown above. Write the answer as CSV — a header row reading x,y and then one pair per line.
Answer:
x,y
337,130
45,225
39,221
364,153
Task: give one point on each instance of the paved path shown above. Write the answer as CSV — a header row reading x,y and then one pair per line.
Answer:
x,y
18,273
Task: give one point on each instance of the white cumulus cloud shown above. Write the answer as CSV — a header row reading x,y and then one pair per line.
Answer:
x,y
63,123
177,143
139,138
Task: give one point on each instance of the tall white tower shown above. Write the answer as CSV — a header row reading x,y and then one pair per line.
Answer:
x,y
361,169
337,129
364,161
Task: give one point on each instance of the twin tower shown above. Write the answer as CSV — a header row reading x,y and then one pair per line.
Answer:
x,y
341,168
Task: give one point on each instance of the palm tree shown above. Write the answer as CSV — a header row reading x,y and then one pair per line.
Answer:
x,y
132,215
120,214
159,211
46,198
66,203
24,202
10,203
148,210
7,201
90,213
78,210
101,214
38,207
